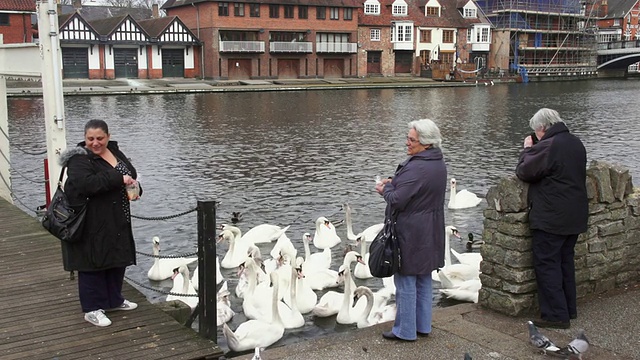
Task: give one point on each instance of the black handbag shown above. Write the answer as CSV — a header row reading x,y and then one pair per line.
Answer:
x,y
61,219
384,251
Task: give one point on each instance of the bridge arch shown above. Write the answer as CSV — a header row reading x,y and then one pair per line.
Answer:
x,y
618,62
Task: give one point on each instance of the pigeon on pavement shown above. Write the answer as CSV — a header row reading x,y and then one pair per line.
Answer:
x,y
540,341
576,347
467,356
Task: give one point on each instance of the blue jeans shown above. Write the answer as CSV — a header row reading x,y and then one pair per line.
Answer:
x,y
414,300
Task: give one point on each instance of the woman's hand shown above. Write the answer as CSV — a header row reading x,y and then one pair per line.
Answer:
x,y
380,187
528,142
128,180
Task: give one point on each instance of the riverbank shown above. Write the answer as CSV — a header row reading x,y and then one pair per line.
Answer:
x,y
86,87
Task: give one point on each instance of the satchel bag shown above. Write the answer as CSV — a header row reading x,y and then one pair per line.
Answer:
x,y
61,219
384,251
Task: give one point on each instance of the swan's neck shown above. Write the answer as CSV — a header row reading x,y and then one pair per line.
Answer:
x,y
156,254
185,281
293,286
307,251
347,219
367,310
447,248
363,247
252,280
452,196
274,305
348,292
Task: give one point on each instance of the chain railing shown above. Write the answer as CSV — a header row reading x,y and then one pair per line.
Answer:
x,y
144,286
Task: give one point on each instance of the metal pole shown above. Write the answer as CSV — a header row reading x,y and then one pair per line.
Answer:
x,y
207,270
5,146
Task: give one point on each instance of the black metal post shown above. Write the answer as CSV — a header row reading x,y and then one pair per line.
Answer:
x,y
207,270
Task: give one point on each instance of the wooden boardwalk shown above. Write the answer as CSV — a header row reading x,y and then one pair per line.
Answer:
x,y
41,316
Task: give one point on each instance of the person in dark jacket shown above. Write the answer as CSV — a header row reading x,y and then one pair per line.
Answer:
x,y
415,196
97,173
555,168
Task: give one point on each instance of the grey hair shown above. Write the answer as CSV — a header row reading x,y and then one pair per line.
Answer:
x,y
428,132
544,118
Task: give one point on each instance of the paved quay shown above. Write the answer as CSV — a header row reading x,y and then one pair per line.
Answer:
x,y
610,320
86,87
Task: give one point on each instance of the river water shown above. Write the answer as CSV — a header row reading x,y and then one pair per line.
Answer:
x,y
287,158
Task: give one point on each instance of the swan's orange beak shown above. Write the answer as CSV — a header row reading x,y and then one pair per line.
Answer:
x,y
359,259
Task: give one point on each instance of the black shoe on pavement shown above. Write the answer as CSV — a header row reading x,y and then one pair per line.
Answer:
x,y
391,336
573,316
421,334
552,324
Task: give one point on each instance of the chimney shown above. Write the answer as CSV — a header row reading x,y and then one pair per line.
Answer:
x,y
155,13
77,4
604,8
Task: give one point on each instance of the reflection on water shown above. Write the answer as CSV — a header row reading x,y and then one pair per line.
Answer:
x,y
287,158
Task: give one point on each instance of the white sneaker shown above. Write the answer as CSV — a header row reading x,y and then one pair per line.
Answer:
x,y
97,318
126,305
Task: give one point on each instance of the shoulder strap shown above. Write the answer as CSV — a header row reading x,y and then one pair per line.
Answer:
x,y
61,175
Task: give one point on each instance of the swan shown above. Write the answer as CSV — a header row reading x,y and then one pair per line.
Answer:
x,y
462,199
464,291
223,307
448,231
321,278
305,298
283,244
263,233
456,272
237,252
317,261
257,333
195,278
329,304
369,316
291,316
163,268
362,270
474,244
182,286
243,277
253,304
369,233
471,259
349,311
325,236
388,283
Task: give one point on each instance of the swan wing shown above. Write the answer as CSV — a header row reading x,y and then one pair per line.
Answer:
x,y
264,233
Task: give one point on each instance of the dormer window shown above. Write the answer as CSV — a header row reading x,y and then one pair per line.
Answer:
x,y
399,7
470,13
372,7
433,11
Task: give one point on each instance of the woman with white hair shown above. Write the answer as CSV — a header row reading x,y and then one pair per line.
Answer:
x,y
415,197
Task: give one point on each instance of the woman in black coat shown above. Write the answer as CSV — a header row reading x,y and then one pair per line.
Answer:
x,y
98,173
415,196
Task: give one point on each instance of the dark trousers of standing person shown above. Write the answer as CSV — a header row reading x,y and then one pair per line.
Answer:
x,y
101,289
553,261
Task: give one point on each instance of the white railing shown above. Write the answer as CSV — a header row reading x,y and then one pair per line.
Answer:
x,y
333,47
298,47
404,45
241,46
480,46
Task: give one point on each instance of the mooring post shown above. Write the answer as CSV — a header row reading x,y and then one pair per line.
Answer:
x,y
207,270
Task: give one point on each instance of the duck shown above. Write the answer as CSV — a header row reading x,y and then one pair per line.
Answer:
x,y
350,312
316,261
362,270
195,281
182,286
257,333
236,217
368,316
471,259
467,290
223,306
263,233
369,233
462,199
325,236
162,269
305,298
473,244
238,249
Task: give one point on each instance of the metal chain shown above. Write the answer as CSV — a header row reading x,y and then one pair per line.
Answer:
x,y
24,151
156,290
13,195
18,172
158,218
167,256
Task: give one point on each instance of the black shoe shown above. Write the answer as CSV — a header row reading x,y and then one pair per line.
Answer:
x,y
421,334
552,324
573,316
391,336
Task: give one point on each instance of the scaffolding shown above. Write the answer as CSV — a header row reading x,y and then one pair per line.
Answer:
x,y
545,36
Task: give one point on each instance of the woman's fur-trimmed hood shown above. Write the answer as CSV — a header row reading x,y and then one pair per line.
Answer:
x,y
70,152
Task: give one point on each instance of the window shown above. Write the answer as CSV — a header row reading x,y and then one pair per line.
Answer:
x,y
447,36
223,9
399,7
372,7
288,11
470,13
348,13
321,12
484,35
425,36
375,34
303,12
469,35
403,33
274,11
254,10
616,22
238,9
433,11
447,57
4,20
334,13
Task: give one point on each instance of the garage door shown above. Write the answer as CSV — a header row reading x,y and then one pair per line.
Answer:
x,y
288,68
239,69
333,68
75,63
172,63
126,63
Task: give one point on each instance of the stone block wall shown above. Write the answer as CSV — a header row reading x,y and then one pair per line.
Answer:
x,y
607,255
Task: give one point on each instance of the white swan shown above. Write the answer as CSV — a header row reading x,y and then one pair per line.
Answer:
x,y
325,236
329,303
448,231
471,259
223,307
243,275
317,261
389,283
283,244
264,233
291,316
369,233
456,272
182,286
163,268
368,316
254,305
362,270
462,199
256,333
237,252
465,291
195,280
306,298
350,312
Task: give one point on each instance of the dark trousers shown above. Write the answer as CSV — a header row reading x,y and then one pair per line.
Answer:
x,y
100,289
555,274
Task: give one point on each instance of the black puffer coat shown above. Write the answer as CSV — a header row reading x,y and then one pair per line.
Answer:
x,y
107,239
556,170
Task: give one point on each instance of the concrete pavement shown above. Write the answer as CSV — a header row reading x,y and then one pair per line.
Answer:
x,y
611,322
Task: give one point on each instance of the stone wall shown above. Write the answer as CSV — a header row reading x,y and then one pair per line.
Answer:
x,y
607,255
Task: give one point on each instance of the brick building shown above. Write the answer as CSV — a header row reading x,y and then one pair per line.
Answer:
x,y
273,38
16,21
618,20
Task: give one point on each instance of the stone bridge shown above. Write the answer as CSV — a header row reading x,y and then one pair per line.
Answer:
x,y
615,57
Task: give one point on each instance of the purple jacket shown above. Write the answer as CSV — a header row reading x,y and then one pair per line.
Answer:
x,y
416,195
